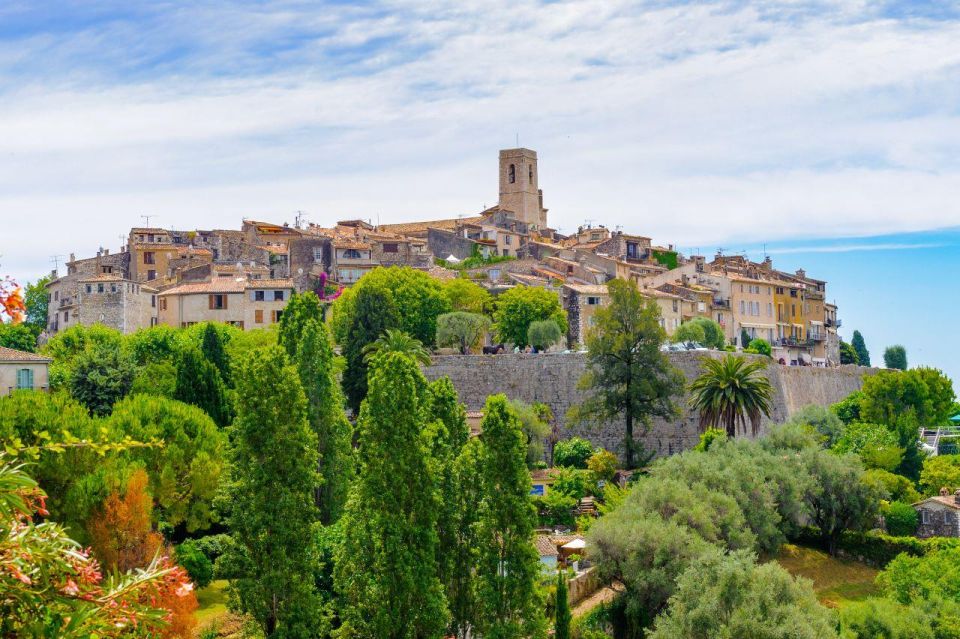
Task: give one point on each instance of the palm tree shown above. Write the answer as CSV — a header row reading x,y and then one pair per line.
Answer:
x,y
397,341
731,391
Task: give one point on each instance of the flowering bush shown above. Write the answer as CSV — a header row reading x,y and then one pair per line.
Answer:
x,y
12,305
50,587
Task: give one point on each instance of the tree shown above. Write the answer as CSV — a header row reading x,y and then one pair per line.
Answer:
x,y
195,562
396,341
731,391
690,332
270,558
302,308
518,307
745,338
543,334
386,568
875,444
461,587
573,452
838,499
713,335
372,313
461,330
734,596
419,297
35,301
897,487
895,357
157,344
627,375
562,616
315,364
848,354
214,352
910,580
863,355
508,568
467,296
184,473
535,421
602,464
823,420
901,519
20,337
848,409
199,383
760,346
121,533
942,471
101,377
882,617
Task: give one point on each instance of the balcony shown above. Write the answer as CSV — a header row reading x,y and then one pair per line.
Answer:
x,y
817,337
833,323
718,303
793,342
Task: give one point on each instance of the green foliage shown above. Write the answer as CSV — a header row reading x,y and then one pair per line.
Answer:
x,y
36,302
730,392
837,498
942,471
709,437
101,376
556,509
461,330
67,347
214,352
909,579
20,337
897,487
373,311
848,354
156,378
745,338
386,567
863,355
791,437
518,307
878,549
879,617
535,423
895,357
199,383
713,335
396,341
302,308
901,519
603,465
197,564
734,596
573,452
271,558
824,421
419,298
627,376
760,346
874,443
543,334
461,590
466,296
159,343
690,332
562,615
667,258
510,605
185,472
314,360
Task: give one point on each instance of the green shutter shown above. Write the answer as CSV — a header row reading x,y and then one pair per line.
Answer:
x,y
25,379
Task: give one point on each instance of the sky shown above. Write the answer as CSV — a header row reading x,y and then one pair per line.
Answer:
x,y
827,132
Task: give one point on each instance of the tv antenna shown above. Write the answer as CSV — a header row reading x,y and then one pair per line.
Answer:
x,y
56,261
299,219
518,139
147,218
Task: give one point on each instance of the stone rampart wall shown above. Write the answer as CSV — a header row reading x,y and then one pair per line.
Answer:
x,y
552,378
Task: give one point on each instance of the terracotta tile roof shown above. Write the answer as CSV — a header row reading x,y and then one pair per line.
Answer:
x,y
277,250
948,500
422,227
544,474
220,285
11,355
103,277
351,244
545,546
587,289
442,274
268,283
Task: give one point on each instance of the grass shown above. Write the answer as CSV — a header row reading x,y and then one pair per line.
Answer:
x,y
836,582
213,602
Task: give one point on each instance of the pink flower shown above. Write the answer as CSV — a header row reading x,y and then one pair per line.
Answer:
x,y
71,588
184,589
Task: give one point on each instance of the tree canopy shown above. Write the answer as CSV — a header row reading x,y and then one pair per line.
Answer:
x,y
518,307
731,392
860,346
462,330
895,357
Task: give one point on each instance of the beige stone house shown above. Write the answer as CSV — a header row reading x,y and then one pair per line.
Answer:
x,y
20,370
246,304
581,302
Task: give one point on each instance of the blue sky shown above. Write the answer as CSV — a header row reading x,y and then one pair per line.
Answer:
x,y
795,123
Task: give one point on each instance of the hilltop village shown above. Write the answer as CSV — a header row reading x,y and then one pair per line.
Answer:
x,y
245,277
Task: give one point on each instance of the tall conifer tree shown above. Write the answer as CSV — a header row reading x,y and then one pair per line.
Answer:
x,y
301,308
863,355
199,383
374,312
212,349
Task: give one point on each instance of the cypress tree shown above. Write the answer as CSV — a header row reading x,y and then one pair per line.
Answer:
x,y
314,360
386,569
863,355
463,553
299,310
374,312
212,349
562,618
199,383
509,601
271,557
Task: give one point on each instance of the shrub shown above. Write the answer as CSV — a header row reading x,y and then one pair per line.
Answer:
x,y
603,464
573,452
901,519
760,346
690,332
192,559
544,334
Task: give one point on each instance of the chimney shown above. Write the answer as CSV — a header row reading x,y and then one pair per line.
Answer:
x,y
72,258
944,492
956,497
106,251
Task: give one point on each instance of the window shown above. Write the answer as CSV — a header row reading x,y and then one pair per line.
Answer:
x,y
153,301
675,306
351,254
99,288
508,239
391,247
701,307
594,236
163,303
113,288
66,316
924,516
24,379
593,301
278,296
148,257
317,253
259,296
258,316
153,321
793,310
56,295
218,302
743,307
151,275
512,174
531,174
769,309
276,316
89,288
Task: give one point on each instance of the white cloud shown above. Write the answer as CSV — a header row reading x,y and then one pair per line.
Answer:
x,y
694,124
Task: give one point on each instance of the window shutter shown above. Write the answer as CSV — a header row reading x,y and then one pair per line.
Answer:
x,y
225,298
210,301
258,316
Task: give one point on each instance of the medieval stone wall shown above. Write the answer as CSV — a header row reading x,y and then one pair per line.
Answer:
x,y
552,378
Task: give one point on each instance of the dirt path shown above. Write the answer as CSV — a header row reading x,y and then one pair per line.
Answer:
x,y
601,596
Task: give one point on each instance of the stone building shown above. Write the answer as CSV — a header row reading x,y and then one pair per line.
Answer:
x,y
20,370
519,187
581,301
246,304
939,516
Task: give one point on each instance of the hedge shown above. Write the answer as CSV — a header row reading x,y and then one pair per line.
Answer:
x,y
878,549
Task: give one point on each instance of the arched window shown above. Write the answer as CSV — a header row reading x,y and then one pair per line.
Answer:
x,y
513,174
531,174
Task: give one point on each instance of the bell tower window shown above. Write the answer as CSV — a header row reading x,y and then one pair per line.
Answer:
x,y
513,174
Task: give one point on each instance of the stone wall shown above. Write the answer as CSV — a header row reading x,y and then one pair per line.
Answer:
x,y
552,378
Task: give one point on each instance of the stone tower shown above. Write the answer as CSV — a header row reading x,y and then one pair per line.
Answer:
x,y
519,192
